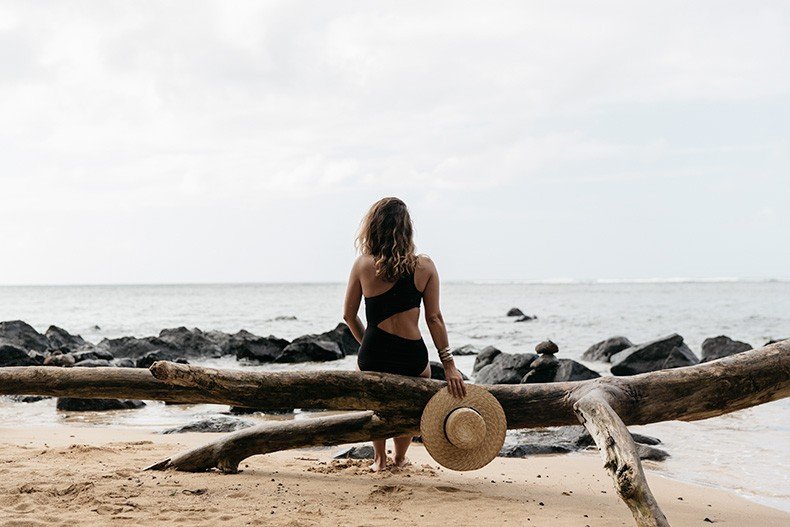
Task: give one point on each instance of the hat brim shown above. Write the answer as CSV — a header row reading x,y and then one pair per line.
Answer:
x,y
442,450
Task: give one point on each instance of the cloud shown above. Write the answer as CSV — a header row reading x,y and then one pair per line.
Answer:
x,y
110,106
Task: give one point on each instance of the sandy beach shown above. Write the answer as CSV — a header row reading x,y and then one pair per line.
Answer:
x,y
91,476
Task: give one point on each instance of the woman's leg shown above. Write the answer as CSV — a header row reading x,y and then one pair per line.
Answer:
x,y
379,451
379,455
402,443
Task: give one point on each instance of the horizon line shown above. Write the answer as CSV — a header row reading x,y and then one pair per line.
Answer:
x,y
477,281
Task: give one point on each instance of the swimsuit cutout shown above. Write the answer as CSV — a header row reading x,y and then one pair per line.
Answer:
x,y
383,351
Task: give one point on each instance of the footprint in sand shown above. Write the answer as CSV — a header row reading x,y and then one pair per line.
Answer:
x,y
388,491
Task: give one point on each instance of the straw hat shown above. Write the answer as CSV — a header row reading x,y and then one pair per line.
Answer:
x,y
463,434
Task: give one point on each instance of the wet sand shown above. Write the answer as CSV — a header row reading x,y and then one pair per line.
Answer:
x,y
92,476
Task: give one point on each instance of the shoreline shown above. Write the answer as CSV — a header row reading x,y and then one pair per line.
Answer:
x,y
91,475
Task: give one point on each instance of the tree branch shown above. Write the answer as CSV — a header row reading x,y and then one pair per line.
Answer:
x,y
226,453
620,458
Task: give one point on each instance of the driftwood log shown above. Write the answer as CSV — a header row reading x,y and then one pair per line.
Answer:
x,y
387,405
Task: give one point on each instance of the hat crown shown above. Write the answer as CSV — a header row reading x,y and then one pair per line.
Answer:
x,y
465,428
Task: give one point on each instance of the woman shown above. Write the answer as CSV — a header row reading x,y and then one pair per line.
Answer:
x,y
393,280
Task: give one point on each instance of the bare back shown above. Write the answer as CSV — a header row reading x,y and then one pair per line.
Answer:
x,y
406,323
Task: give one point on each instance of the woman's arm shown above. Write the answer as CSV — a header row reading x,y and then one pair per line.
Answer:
x,y
435,322
351,303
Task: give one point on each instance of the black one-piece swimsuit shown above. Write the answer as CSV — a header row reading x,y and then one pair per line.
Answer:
x,y
383,351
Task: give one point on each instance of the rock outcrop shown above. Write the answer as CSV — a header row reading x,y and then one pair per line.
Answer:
x,y
570,370
722,346
564,439
467,349
666,352
22,335
343,337
11,355
484,358
192,343
310,348
149,358
60,360
355,452
213,424
505,368
134,348
548,368
61,339
91,354
603,351
96,405
247,346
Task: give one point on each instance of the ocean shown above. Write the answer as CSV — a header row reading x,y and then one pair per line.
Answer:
x,y
746,452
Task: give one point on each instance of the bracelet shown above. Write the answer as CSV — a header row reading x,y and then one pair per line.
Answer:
x,y
445,355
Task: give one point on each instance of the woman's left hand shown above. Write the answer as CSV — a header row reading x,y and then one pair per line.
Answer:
x,y
455,382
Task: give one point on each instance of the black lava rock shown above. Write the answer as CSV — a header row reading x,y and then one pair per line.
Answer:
x,y
564,439
150,358
70,404
570,370
91,354
192,343
59,338
722,346
603,351
666,352
344,338
356,452
246,345
11,355
134,348
505,368
22,335
124,363
466,349
61,360
94,363
311,348
542,369
217,423
28,398
484,358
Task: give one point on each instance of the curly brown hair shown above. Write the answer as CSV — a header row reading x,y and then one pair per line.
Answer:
x,y
385,233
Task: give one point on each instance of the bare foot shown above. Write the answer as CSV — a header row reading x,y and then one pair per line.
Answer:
x,y
402,463
378,465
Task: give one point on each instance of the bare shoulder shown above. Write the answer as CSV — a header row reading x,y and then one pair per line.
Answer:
x,y
364,266
425,264
362,261
424,271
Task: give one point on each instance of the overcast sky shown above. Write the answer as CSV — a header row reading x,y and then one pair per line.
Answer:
x,y
151,142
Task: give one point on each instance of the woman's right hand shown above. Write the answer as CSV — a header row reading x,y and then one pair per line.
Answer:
x,y
455,381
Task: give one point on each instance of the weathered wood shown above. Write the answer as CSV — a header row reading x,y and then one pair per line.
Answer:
x,y
620,458
226,453
96,383
394,405
696,392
